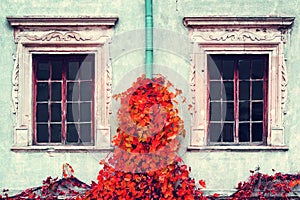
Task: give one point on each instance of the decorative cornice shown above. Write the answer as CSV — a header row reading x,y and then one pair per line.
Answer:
x,y
237,35
36,22
230,22
58,36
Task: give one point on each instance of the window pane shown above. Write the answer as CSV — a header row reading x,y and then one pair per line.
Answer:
x,y
72,92
244,69
244,132
86,70
244,111
42,133
229,90
215,90
86,91
215,111
55,132
56,91
42,92
258,69
240,96
72,112
215,132
56,112
57,75
57,70
72,70
257,132
257,111
244,90
42,112
72,133
257,90
85,112
85,132
214,69
229,109
228,132
228,69
43,72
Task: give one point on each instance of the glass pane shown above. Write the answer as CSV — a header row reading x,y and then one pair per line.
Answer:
x,y
257,90
215,132
244,132
57,70
228,132
55,132
244,90
56,112
257,111
72,92
229,109
56,92
215,111
214,69
85,132
72,112
72,133
42,112
215,90
258,69
86,70
244,69
86,91
72,70
229,88
228,69
43,72
244,111
42,92
42,133
257,132
85,112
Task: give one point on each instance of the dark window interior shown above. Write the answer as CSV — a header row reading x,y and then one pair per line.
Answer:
x,y
63,103
237,99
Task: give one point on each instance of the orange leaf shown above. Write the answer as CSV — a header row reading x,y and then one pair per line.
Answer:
x,y
202,183
215,195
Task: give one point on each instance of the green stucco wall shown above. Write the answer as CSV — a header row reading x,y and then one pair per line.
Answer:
x,y
220,169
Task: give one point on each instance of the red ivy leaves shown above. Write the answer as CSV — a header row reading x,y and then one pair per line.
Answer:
x,y
144,164
149,124
202,183
171,182
264,186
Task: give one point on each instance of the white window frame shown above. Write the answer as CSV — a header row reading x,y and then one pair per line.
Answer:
x,y
239,35
60,35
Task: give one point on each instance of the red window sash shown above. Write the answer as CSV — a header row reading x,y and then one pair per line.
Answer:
x,y
236,105
63,102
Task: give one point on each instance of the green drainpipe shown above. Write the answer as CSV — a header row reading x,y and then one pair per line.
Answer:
x,y
149,39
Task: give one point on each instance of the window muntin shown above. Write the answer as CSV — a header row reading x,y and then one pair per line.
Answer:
x,y
237,99
63,99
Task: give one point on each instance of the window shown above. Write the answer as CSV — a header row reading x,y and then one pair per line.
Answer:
x,y
62,83
237,99
238,82
63,103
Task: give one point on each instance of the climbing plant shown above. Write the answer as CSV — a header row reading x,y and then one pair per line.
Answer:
x,y
145,163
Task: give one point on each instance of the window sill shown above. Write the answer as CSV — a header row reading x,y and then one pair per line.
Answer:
x,y
60,149
238,148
